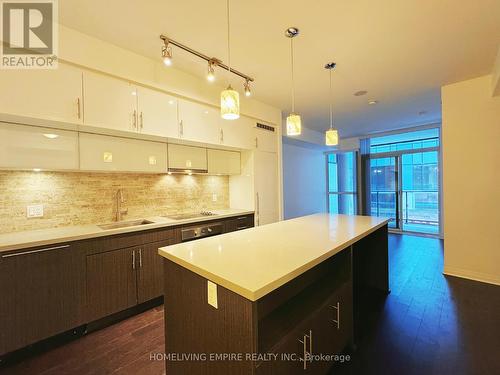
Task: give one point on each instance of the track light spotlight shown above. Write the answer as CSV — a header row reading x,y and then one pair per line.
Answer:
x,y
212,63
166,53
246,86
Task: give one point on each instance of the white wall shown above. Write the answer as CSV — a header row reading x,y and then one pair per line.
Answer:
x,y
304,179
471,180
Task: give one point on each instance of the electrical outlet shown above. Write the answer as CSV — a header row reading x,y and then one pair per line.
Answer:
x,y
214,197
35,210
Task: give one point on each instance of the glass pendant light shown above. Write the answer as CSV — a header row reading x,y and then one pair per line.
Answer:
x,y
293,121
229,98
331,135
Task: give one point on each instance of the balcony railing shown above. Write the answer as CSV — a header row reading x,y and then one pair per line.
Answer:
x,y
418,206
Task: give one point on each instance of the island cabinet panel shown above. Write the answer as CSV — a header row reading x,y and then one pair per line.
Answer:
x,y
150,271
192,326
111,282
288,328
42,293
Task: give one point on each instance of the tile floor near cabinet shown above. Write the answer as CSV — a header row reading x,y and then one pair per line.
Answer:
x,y
429,324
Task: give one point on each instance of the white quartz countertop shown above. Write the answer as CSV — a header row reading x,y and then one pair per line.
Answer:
x,y
40,237
253,262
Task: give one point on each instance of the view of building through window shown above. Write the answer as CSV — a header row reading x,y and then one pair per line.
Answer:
x,y
342,192
404,183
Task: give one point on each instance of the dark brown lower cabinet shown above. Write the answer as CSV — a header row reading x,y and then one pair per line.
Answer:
x,y
312,345
150,271
120,279
48,290
111,282
239,223
42,293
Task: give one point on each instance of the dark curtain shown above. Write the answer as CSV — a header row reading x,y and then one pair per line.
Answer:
x,y
365,176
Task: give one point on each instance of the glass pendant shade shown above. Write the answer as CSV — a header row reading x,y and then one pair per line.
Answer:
x,y
332,137
293,124
230,104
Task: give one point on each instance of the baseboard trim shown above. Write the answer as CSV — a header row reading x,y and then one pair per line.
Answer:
x,y
471,275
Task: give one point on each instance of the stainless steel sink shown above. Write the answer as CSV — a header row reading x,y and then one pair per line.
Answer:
x,y
125,224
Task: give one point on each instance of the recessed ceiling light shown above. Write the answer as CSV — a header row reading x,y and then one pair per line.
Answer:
x,y
360,93
373,102
37,169
51,136
171,102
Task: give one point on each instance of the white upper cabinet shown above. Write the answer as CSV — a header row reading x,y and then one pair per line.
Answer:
x,y
30,147
45,94
107,153
187,158
265,140
238,133
224,162
199,122
109,102
266,187
157,113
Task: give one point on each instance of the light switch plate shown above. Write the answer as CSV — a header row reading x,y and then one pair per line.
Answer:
x,y
107,157
35,210
152,160
212,294
214,197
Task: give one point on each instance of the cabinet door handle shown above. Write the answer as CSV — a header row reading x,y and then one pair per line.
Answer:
x,y
134,119
142,121
310,343
78,109
35,251
181,128
337,308
222,135
256,142
140,258
304,351
133,259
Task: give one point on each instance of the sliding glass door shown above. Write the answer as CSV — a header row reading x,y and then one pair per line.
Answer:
x,y
342,183
405,189
420,192
384,188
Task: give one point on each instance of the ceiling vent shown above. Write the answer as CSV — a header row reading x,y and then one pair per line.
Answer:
x,y
266,127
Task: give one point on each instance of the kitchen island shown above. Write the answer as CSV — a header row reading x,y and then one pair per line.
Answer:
x,y
283,298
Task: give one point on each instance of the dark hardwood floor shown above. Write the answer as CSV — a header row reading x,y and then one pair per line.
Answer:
x,y
429,324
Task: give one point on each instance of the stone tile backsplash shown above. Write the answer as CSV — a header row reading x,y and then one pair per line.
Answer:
x,y
90,198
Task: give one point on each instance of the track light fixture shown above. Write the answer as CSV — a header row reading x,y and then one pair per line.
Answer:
x,y
166,53
229,97
246,86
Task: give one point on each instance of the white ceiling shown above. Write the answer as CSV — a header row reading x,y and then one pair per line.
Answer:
x,y
401,52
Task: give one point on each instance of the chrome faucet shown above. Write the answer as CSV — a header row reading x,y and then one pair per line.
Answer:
x,y
119,210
